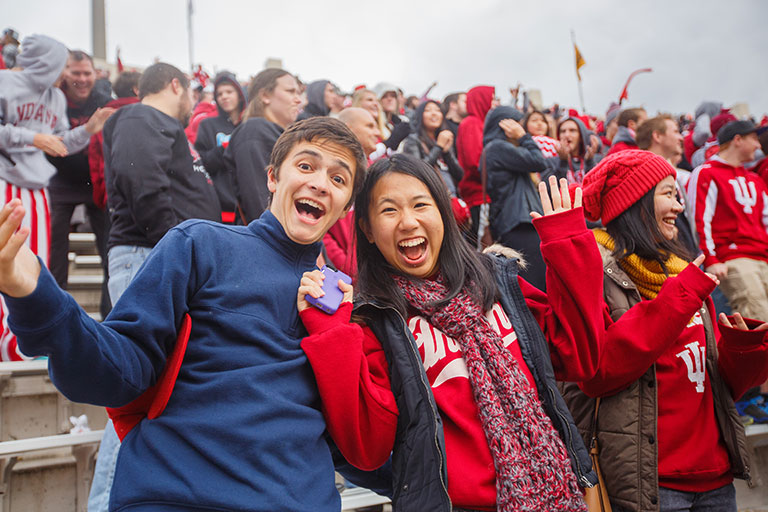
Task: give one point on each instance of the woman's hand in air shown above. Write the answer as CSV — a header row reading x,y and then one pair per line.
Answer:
x,y
698,262
560,197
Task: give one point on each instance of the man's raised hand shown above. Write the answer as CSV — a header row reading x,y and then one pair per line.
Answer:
x,y
19,267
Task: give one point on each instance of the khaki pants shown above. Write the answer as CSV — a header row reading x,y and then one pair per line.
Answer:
x,y
746,287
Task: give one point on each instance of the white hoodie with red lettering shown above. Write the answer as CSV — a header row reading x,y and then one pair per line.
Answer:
x,y
30,104
731,212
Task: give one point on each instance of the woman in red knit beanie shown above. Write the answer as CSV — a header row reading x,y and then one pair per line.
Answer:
x,y
668,431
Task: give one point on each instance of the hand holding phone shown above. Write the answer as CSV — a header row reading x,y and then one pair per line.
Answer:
x,y
320,288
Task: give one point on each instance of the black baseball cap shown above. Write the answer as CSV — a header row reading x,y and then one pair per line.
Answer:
x,y
734,128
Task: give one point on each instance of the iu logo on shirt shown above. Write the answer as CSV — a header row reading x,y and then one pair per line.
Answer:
x,y
694,357
746,195
441,354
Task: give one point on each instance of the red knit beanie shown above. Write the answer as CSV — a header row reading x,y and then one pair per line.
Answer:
x,y
719,121
620,180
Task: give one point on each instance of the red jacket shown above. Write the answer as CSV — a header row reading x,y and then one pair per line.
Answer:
x,y
340,245
689,147
203,110
353,377
731,212
620,146
96,157
469,143
762,169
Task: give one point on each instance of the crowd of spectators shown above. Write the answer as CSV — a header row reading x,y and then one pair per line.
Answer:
x,y
156,147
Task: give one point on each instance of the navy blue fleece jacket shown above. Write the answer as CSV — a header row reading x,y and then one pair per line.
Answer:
x,y
243,428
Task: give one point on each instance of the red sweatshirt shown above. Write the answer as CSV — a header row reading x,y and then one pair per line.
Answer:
x,y
731,212
340,245
352,376
762,169
469,143
692,456
620,146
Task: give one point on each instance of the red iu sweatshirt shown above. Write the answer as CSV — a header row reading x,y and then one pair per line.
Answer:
x,y
731,212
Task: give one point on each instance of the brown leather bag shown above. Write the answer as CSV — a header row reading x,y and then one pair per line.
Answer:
x,y
597,495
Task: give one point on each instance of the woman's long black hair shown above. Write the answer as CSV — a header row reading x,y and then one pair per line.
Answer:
x,y
459,263
636,231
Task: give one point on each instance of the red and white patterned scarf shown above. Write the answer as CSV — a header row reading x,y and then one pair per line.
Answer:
x,y
533,472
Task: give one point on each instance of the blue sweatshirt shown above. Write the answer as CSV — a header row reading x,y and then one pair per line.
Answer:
x,y
243,428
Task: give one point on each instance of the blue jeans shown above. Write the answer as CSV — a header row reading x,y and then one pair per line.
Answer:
x,y
124,262
716,500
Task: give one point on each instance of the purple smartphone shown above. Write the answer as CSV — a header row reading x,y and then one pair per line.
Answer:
x,y
330,302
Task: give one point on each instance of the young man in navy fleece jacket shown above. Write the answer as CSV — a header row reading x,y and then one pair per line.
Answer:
x,y
243,429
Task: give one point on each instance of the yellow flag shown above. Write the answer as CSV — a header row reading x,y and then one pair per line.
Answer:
x,y
579,60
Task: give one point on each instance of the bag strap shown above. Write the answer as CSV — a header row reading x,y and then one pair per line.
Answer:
x,y
594,449
239,210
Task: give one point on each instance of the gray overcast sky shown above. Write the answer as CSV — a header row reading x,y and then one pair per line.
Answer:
x,y
698,49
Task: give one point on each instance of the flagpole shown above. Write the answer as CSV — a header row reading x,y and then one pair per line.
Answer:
x,y
578,78
190,36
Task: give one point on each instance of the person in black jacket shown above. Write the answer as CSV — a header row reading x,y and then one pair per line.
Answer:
x,y
432,141
455,110
511,156
155,179
213,137
273,104
71,185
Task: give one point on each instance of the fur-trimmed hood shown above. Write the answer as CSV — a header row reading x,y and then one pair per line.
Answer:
x,y
507,252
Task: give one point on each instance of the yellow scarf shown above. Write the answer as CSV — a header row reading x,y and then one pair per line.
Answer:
x,y
647,275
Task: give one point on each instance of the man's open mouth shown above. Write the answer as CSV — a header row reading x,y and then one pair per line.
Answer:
x,y
309,210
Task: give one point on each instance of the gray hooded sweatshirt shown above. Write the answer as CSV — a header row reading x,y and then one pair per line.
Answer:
x,y
30,104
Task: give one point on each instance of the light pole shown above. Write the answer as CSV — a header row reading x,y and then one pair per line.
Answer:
x,y
98,29
190,44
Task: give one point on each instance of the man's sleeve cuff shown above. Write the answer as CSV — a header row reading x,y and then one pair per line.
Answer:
x,y
40,308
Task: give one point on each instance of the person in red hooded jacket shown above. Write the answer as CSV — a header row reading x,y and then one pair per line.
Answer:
x,y
469,147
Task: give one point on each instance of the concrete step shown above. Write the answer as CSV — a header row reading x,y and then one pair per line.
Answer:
x,y
89,281
87,261
83,243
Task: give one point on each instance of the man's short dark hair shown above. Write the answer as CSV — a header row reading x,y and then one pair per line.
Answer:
x,y
630,114
315,129
157,77
658,124
79,56
125,84
451,98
